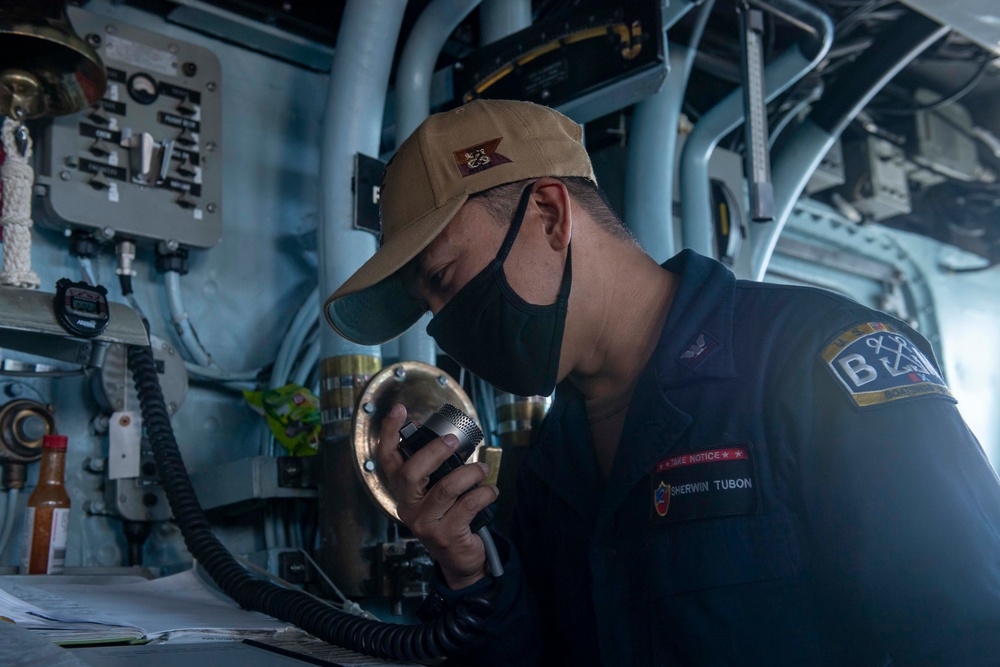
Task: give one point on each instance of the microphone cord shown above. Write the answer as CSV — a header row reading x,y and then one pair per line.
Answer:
x,y
442,637
492,557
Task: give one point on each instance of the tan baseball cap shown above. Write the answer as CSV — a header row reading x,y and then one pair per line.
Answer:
x,y
452,155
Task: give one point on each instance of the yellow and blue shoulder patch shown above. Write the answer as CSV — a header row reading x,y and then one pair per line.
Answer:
x,y
878,364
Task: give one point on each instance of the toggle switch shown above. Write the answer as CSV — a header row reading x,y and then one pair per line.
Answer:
x,y
187,108
99,115
186,138
186,201
99,182
187,167
100,148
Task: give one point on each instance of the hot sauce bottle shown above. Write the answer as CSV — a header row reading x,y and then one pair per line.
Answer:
x,y
46,523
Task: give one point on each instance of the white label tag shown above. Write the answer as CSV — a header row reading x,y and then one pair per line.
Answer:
x,y
141,55
57,546
124,450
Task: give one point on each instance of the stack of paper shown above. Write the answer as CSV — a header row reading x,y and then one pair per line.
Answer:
x,y
179,606
62,623
179,609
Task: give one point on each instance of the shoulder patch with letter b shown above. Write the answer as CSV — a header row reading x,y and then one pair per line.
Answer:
x,y
877,364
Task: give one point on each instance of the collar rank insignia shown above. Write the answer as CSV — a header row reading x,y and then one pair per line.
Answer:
x,y
703,346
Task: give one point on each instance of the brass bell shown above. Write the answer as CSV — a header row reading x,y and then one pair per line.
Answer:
x,y
46,69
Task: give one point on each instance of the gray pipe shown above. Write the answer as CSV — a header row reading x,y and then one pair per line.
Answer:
x,y
413,105
797,157
649,181
349,523
649,172
500,18
726,116
416,63
352,124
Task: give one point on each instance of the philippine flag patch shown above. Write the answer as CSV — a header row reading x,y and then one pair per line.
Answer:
x,y
877,364
661,499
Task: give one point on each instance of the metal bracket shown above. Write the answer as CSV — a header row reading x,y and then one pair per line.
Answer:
x,y
29,325
245,479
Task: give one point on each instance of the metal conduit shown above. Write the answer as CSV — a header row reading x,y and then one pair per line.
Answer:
x,y
786,70
359,79
649,181
181,320
797,157
352,124
413,105
501,18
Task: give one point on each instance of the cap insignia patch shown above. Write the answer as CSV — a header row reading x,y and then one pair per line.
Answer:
x,y
480,157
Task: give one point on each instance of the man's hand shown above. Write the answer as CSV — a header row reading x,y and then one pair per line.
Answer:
x,y
439,517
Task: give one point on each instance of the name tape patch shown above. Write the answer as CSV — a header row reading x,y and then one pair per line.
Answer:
x,y
480,157
716,482
877,364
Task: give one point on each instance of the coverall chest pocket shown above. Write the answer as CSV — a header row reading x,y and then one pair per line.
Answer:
x,y
689,556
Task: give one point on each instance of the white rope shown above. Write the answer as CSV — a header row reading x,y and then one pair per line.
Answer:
x,y
18,177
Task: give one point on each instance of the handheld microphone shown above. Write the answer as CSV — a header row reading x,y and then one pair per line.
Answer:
x,y
447,419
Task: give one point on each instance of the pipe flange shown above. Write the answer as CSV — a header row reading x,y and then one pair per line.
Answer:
x,y
422,388
23,425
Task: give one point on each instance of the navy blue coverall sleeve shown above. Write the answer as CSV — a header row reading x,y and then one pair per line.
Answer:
x,y
515,630
900,509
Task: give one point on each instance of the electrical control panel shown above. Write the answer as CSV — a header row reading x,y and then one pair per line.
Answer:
x,y
876,182
945,144
145,163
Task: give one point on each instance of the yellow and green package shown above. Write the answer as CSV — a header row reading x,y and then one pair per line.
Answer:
x,y
292,413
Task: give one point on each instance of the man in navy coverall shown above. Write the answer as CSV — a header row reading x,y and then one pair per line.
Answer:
x,y
732,473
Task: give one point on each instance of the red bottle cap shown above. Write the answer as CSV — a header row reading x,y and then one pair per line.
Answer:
x,y
53,441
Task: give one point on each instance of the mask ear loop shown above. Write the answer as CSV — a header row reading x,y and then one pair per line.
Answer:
x,y
515,224
567,275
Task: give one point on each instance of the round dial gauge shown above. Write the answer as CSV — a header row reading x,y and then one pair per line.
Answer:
x,y
142,88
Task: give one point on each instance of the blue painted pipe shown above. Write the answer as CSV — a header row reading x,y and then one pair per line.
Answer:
x,y
649,181
352,124
500,18
726,116
413,105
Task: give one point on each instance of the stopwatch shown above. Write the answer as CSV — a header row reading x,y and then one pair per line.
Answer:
x,y
81,308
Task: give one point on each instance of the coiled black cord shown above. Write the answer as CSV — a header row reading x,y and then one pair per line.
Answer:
x,y
438,638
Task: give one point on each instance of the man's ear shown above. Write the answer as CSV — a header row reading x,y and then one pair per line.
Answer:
x,y
552,200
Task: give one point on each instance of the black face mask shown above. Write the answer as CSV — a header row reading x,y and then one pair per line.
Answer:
x,y
494,333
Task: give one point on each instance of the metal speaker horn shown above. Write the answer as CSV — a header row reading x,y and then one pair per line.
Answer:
x,y
422,388
46,69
